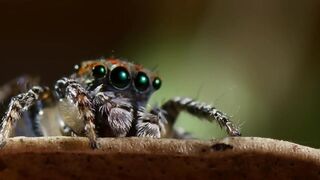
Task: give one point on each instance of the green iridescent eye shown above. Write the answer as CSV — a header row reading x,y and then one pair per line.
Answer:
x,y
99,71
141,81
120,77
156,83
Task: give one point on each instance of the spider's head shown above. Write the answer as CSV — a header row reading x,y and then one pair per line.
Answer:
x,y
121,77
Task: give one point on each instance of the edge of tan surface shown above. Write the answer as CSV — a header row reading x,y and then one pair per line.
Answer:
x,y
241,157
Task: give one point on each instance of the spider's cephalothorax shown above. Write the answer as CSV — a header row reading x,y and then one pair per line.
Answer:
x,y
116,91
107,98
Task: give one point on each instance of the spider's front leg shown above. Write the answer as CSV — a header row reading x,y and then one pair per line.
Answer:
x,y
18,104
174,106
78,97
150,124
114,114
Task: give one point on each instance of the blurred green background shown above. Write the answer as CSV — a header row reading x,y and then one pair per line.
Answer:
x,y
258,61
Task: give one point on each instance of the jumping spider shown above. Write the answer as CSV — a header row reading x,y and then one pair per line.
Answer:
x,y
108,98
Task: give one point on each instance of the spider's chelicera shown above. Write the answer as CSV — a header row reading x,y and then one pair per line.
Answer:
x,y
108,98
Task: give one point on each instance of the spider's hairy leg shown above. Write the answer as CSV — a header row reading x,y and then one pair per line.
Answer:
x,y
18,104
17,86
150,124
72,91
114,115
169,131
174,106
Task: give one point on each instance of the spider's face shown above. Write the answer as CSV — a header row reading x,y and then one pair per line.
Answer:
x,y
123,78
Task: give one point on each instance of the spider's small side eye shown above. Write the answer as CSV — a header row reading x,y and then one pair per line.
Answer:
x,y
156,83
120,77
141,81
99,71
76,68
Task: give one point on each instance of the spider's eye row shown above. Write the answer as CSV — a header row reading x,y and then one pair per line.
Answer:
x,y
99,71
141,81
156,83
120,77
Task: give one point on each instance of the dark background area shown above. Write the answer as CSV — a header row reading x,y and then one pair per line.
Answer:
x,y
258,61
47,37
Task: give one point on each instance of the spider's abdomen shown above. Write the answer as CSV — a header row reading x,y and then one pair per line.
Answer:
x,y
70,117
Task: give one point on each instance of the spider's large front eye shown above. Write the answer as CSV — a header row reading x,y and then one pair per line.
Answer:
x,y
156,83
120,77
141,81
99,71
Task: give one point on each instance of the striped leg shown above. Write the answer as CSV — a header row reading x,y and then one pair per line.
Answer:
x,y
174,106
18,104
11,89
79,97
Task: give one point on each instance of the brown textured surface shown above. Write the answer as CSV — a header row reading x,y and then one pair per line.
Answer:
x,y
139,158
